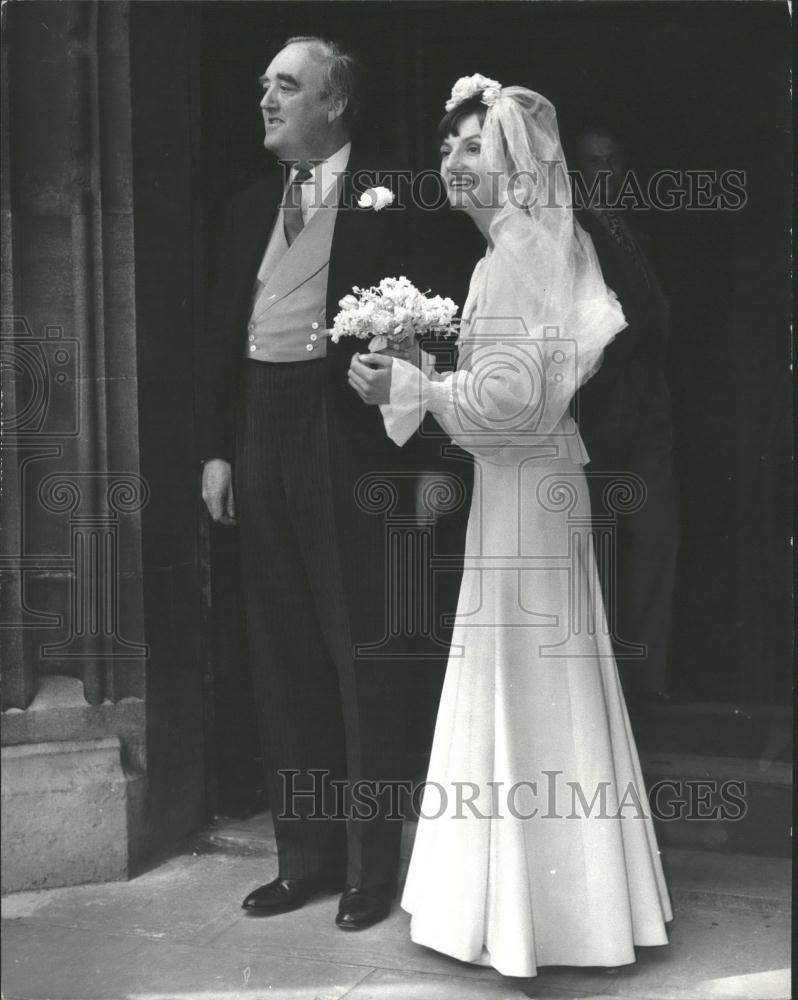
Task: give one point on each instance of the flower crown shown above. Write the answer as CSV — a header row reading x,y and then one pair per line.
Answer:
x,y
471,86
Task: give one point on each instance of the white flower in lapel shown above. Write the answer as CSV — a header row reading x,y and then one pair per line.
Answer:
x,y
376,198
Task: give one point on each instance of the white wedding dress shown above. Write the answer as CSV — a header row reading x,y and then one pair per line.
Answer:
x,y
532,716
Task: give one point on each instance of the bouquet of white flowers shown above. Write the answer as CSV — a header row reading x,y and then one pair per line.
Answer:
x,y
393,314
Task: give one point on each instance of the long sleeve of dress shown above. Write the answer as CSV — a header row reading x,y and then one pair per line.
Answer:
x,y
477,413
516,376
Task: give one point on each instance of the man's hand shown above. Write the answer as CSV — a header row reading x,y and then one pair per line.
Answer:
x,y
409,351
370,377
217,491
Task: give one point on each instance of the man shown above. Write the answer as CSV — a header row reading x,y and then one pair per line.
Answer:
x,y
625,419
286,442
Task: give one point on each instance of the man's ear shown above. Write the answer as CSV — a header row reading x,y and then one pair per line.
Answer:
x,y
336,109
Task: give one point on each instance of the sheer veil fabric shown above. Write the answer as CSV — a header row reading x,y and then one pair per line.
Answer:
x,y
540,295
543,254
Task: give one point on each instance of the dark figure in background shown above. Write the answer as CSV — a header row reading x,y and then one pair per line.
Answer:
x,y
285,441
624,417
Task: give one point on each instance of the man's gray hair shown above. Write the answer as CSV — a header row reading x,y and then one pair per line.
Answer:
x,y
343,72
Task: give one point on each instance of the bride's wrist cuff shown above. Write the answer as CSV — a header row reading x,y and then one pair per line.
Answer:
x,y
439,396
405,411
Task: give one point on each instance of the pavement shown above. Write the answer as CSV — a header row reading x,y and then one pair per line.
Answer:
x,y
177,932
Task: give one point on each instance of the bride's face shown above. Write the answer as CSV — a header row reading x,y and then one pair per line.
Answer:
x,y
467,183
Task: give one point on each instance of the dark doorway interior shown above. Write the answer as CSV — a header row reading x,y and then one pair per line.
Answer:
x,y
699,86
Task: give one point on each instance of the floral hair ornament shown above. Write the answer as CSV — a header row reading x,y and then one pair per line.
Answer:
x,y
473,86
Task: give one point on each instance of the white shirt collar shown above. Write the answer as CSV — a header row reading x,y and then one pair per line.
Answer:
x,y
323,176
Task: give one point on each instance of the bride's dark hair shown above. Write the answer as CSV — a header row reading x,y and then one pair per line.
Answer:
x,y
450,122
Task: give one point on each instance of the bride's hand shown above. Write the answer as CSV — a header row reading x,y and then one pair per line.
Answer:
x,y
370,377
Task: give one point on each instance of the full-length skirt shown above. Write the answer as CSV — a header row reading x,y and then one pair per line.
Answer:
x,y
535,845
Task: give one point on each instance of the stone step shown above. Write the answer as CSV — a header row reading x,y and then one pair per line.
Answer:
x,y
250,836
736,881
739,881
720,729
720,803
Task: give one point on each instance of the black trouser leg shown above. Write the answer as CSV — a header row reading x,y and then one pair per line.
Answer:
x,y
295,679
344,550
314,582
649,543
644,572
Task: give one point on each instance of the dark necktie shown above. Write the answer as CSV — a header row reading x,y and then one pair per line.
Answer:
x,y
293,223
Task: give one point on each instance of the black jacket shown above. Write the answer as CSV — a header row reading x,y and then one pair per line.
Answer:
x,y
624,410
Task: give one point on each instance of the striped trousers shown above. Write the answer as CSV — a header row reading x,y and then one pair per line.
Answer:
x,y
314,582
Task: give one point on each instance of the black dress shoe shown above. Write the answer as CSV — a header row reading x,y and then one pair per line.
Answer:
x,y
361,908
286,894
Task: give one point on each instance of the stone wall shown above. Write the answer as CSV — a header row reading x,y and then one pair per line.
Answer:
x,y
103,678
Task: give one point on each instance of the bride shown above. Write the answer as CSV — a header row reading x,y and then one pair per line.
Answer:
x,y
535,846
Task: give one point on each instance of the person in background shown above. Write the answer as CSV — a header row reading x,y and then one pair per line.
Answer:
x,y
624,416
